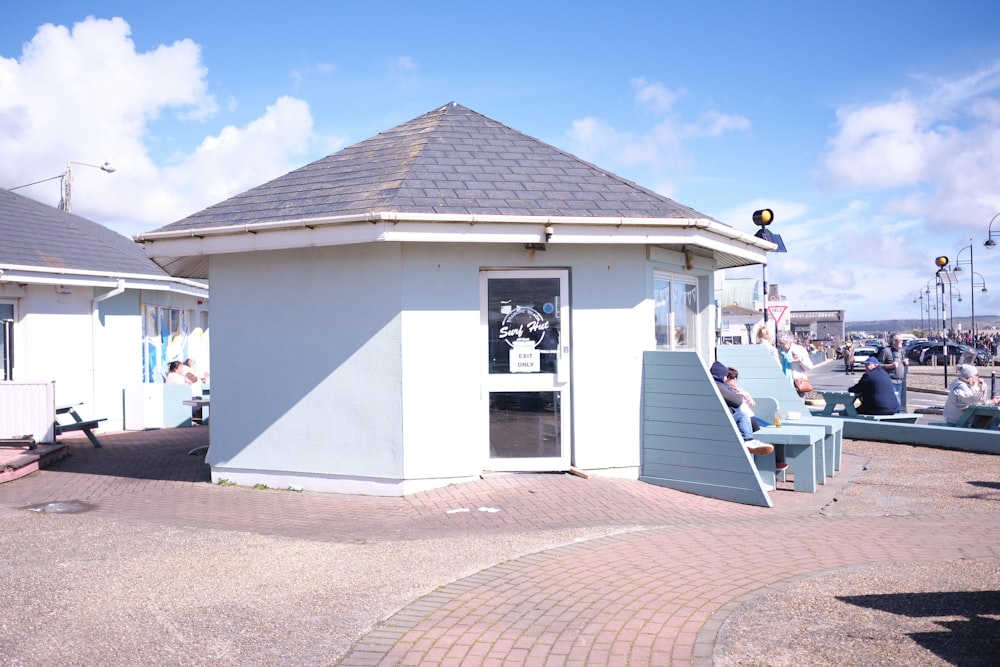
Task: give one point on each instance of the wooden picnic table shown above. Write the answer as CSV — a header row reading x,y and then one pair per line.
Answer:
x,y
78,423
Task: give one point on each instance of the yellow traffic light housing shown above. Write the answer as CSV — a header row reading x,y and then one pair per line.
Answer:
x,y
763,217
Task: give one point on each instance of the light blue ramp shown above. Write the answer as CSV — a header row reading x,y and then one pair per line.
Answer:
x,y
689,439
761,375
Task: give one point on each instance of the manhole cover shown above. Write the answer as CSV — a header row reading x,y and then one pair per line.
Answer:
x,y
61,507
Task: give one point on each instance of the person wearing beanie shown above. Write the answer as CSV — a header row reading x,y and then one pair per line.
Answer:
x,y
966,390
733,402
875,390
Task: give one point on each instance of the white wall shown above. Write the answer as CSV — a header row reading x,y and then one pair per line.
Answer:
x,y
307,378
53,340
359,368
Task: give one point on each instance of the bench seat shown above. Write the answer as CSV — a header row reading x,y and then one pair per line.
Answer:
x,y
86,425
901,417
79,426
19,441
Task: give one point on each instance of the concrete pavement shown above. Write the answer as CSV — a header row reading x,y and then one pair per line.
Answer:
x,y
513,569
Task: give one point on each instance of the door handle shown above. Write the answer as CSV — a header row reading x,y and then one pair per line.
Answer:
x,y
561,371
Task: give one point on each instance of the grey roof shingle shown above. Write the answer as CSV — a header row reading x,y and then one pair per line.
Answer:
x,y
34,234
451,160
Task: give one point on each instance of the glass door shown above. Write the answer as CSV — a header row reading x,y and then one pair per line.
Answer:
x,y
525,317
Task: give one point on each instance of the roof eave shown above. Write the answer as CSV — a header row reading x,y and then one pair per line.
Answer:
x,y
33,275
448,228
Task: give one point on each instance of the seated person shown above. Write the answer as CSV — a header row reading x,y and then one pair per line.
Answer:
x,y
174,374
875,390
732,375
734,401
966,390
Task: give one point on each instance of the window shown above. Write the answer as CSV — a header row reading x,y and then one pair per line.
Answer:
x,y
165,339
676,311
6,341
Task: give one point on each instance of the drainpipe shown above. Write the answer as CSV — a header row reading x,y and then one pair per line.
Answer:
x,y
94,325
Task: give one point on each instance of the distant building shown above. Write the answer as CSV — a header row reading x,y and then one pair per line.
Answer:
x,y
818,324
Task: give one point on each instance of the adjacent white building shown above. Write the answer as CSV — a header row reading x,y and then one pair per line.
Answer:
x,y
83,307
445,298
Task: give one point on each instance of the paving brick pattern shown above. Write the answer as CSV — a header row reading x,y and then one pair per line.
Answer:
x,y
654,591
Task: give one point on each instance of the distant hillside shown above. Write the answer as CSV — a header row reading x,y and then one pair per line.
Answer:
x,y
983,323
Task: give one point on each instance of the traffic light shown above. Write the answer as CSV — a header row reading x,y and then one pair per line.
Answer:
x,y
763,217
941,262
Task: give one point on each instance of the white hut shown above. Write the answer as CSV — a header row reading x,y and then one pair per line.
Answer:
x,y
446,298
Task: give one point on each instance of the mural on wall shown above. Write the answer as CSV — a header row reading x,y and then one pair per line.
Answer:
x,y
170,336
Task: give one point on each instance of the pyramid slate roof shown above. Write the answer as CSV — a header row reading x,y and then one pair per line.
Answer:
x,y
450,161
35,235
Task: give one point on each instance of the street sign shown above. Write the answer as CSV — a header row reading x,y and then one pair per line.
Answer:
x,y
777,312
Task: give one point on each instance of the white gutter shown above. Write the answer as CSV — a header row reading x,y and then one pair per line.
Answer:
x,y
392,217
95,320
36,275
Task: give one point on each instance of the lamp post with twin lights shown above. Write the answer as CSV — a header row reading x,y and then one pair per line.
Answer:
x,y
972,290
920,297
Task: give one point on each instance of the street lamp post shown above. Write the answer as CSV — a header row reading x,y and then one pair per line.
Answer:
x,y
990,243
66,181
927,292
972,291
920,297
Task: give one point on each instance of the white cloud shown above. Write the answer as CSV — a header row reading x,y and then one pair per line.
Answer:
x,y
936,148
662,148
85,93
654,95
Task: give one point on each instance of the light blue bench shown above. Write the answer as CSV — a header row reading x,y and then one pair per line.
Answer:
x,y
761,376
689,439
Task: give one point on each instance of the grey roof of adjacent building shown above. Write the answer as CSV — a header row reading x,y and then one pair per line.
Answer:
x,y
450,161
33,234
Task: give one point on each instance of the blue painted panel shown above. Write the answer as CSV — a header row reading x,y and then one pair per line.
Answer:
x,y
689,440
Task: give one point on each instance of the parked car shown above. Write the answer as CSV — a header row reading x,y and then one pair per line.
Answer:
x,y
861,353
956,352
913,351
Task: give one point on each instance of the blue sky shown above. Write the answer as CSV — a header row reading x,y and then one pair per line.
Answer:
x,y
872,129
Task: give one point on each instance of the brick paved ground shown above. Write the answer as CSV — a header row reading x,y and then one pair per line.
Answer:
x,y
628,574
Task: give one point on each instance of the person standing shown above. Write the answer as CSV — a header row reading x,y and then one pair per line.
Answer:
x,y
893,360
875,390
795,361
849,358
764,338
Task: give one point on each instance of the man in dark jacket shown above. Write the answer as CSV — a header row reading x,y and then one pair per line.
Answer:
x,y
875,390
734,401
